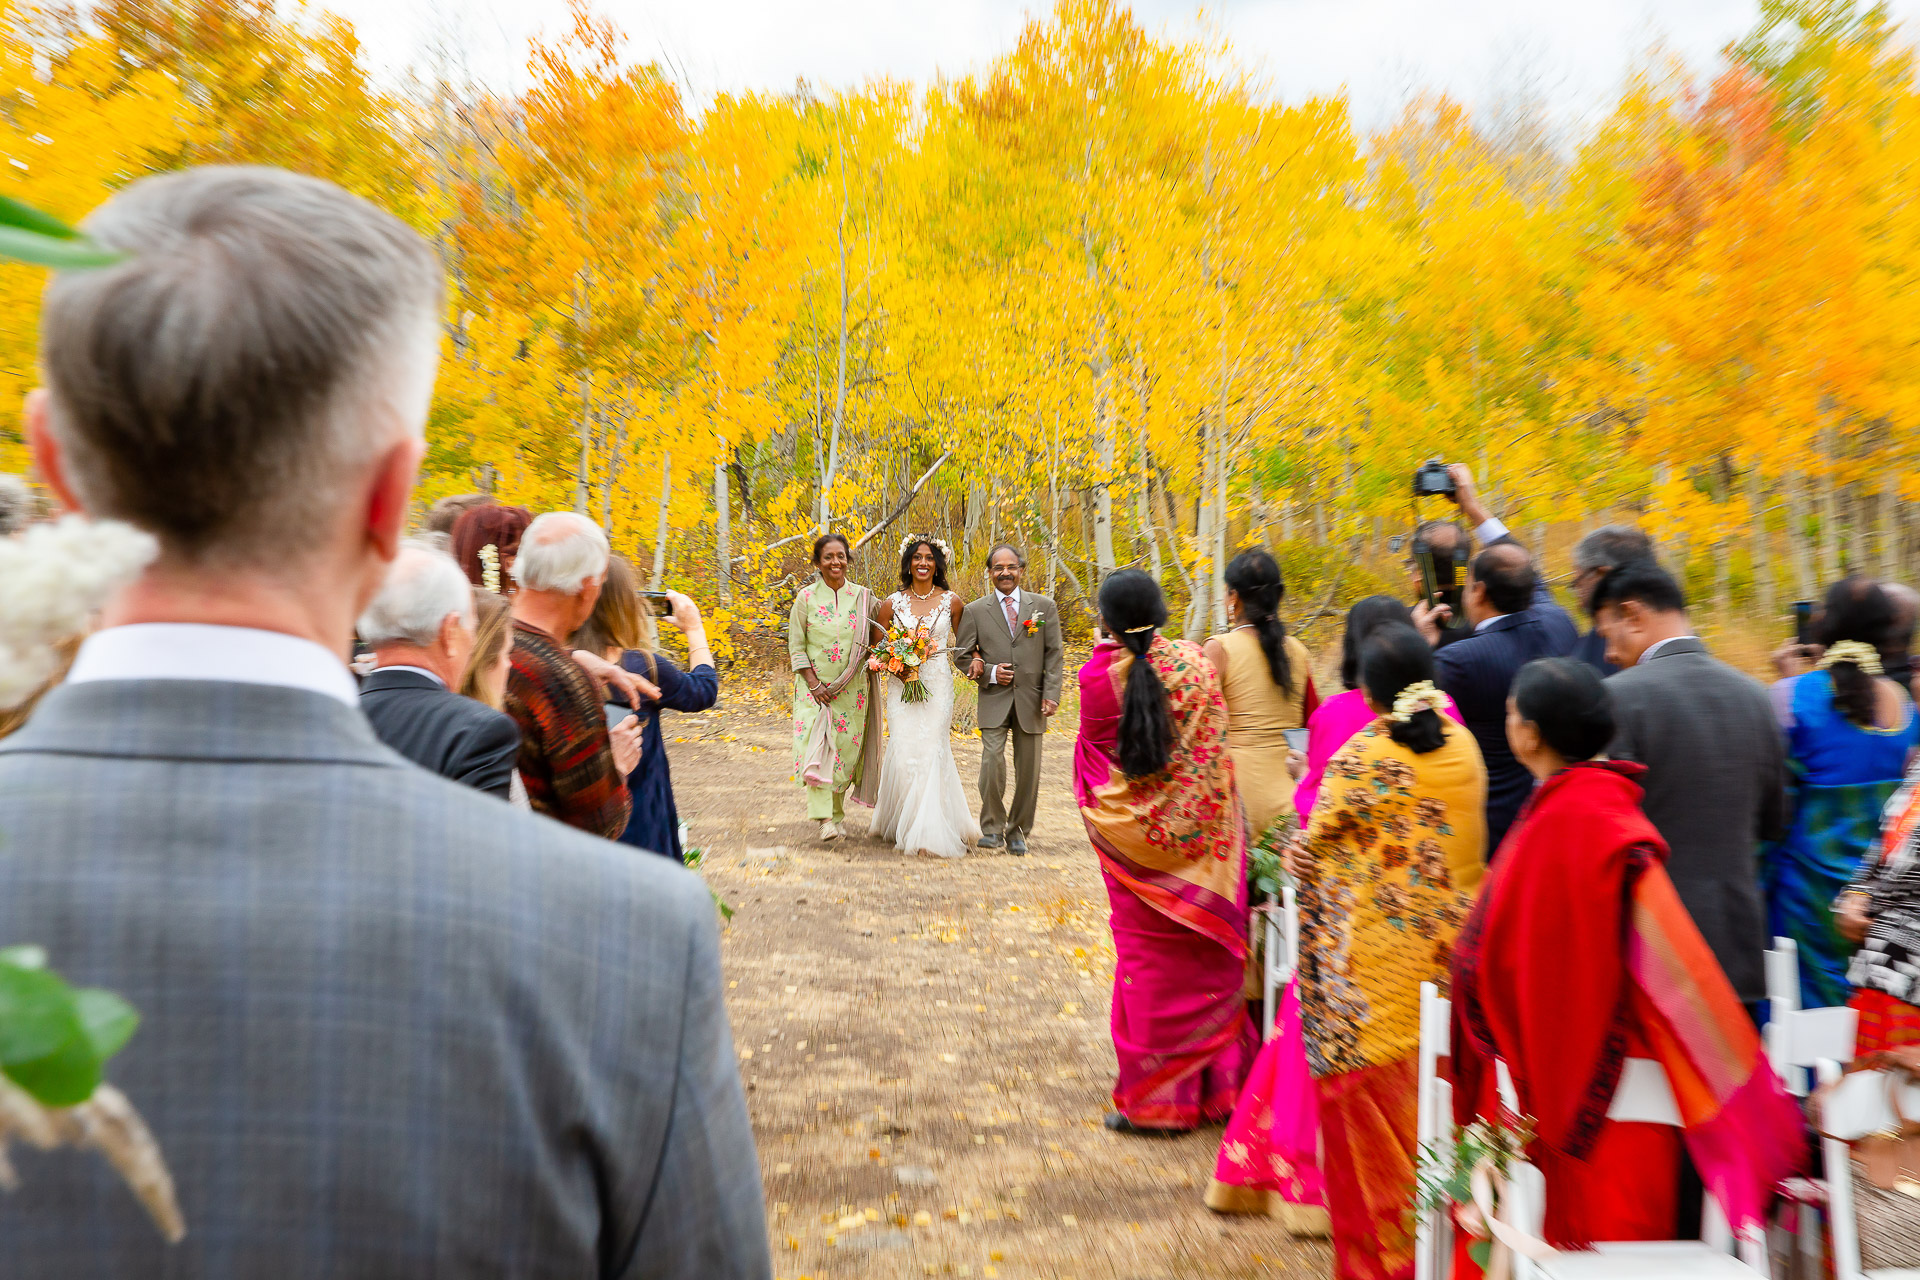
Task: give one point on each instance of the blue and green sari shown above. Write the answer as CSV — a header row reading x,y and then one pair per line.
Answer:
x,y
1842,777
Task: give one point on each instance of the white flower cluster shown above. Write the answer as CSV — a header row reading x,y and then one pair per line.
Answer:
x,y
941,543
54,577
490,568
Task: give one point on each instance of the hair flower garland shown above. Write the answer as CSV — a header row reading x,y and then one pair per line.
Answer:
x,y
490,568
1415,698
1864,656
945,550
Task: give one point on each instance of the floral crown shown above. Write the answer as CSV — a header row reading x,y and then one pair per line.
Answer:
x,y
941,543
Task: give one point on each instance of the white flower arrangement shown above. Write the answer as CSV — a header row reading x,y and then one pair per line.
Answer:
x,y
941,543
490,568
57,577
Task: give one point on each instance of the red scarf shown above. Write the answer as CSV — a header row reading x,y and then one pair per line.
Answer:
x,y
1541,966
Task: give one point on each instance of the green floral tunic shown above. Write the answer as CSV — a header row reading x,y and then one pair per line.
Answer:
x,y
822,632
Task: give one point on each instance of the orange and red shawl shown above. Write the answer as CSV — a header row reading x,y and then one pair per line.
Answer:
x,y
1578,947
1177,839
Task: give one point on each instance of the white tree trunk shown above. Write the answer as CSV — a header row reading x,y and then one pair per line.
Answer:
x,y
722,530
660,530
1763,584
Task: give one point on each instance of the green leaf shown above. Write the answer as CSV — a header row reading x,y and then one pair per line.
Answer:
x,y
726,912
25,957
66,1077
28,218
1481,1251
60,253
107,1020
37,1014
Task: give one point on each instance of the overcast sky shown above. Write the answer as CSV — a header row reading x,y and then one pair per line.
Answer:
x,y
1574,51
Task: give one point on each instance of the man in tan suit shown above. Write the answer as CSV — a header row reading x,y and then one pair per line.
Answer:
x,y
1009,645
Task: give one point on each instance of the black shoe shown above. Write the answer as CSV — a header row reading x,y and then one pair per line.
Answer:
x,y
991,842
1120,1124
1017,845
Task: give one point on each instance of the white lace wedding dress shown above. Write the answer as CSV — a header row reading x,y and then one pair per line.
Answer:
x,y
921,807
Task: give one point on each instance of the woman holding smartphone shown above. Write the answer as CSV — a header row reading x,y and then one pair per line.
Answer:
x,y
617,631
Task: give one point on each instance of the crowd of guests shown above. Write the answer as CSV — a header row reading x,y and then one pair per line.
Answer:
x,y
1589,839
532,675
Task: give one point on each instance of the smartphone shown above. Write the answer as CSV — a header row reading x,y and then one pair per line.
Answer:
x,y
1803,622
1297,739
656,603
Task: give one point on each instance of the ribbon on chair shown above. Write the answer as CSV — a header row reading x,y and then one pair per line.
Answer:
x,y
1482,1219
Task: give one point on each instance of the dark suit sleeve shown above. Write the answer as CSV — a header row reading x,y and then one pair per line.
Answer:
x,y
706,1214
1055,665
1625,745
492,754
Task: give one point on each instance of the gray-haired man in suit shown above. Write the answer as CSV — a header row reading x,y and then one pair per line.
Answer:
x,y
393,1027
1009,645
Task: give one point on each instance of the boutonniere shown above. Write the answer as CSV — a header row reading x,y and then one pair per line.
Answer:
x,y
1033,626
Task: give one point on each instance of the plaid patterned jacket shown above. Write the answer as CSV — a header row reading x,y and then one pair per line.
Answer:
x,y
566,758
391,1027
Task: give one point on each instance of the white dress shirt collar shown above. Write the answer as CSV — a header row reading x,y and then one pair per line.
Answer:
x,y
1013,595
194,651
1646,655
1484,623
419,671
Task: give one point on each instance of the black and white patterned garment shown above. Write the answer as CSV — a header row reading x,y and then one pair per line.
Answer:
x,y
1889,960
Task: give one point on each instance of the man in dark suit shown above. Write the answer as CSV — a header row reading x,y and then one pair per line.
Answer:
x,y
1594,557
1716,765
391,1027
420,630
1514,621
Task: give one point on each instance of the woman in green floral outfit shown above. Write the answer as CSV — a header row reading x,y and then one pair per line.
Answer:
x,y
827,637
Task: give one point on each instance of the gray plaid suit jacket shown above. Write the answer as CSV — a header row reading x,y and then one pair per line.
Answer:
x,y
392,1027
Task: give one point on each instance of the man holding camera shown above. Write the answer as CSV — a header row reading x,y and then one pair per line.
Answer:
x,y
1511,619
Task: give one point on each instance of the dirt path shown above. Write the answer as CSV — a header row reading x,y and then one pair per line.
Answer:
x,y
929,1051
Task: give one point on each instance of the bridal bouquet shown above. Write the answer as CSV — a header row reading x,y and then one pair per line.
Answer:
x,y
903,652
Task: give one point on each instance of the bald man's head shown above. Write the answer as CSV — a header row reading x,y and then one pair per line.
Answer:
x,y
1506,571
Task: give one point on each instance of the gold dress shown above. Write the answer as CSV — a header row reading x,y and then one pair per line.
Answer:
x,y
1259,713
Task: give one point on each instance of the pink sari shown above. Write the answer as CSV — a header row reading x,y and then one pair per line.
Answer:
x,y
1173,852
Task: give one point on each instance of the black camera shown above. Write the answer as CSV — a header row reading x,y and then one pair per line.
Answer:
x,y
1432,481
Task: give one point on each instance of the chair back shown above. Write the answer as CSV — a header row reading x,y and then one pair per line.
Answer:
x,y
1644,1095
1799,1039
1855,1106
1433,1125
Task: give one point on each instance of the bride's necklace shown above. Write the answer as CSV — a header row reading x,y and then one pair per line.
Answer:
x,y
917,596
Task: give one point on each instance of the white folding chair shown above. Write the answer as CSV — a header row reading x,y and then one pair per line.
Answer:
x,y
1644,1096
1861,1106
1433,1127
1799,1039
1282,954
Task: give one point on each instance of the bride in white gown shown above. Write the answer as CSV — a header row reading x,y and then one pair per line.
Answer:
x,y
921,807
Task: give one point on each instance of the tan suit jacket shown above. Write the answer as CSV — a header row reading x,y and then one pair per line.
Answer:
x,y
1037,658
